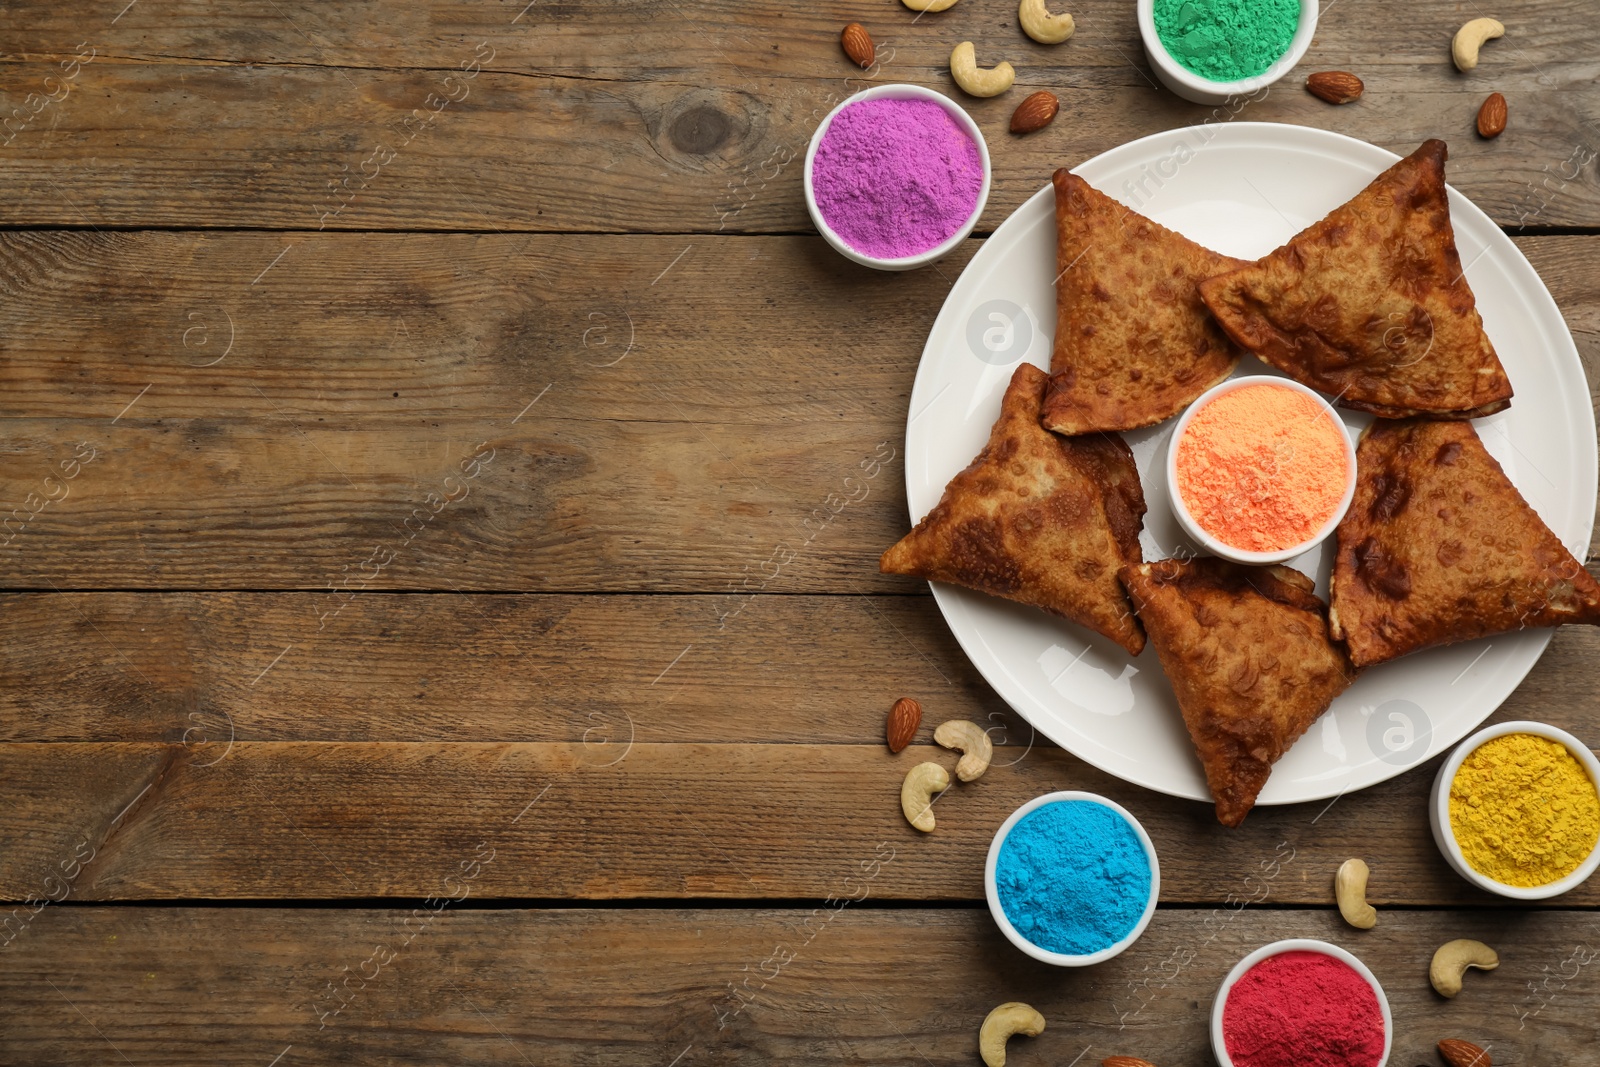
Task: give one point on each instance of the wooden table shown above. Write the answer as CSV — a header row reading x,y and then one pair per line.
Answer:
x,y
453,645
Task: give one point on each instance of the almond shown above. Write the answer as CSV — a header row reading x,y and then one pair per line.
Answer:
x,y
1334,86
857,44
1125,1061
1035,113
1492,116
904,718
1463,1053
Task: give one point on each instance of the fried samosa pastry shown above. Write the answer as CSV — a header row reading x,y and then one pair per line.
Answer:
x,y
1371,304
1037,518
1438,546
1248,654
1134,343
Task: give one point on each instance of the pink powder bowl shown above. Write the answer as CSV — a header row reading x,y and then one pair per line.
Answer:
x,y
1301,1003
896,176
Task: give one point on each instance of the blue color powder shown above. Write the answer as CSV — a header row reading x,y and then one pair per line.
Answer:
x,y
1073,877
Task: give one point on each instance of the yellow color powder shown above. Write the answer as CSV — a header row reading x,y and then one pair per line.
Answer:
x,y
1524,810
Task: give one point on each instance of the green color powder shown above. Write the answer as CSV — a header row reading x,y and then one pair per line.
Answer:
x,y
1225,40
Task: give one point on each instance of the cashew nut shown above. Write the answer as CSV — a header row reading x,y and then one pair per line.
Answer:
x,y
929,5
1012,1017
973,79
1470,38
1350,889
916,793
1042,26
1452,961
969,739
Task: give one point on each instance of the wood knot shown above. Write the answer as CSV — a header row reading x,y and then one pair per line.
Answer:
x,y
700,130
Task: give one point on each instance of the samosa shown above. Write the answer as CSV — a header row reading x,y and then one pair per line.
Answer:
x,y
1037,518
1438,546
1371,304
1249,656
1134,343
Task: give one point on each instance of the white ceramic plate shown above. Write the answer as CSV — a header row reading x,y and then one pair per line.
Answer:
x,y
1242,188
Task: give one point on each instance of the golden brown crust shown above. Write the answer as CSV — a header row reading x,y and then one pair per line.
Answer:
x,y
1037,518
1249,656
1134,344
1438,546
1466,415
1371,304
1107,458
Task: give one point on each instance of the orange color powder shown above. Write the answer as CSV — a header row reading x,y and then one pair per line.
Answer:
x,y
1262,467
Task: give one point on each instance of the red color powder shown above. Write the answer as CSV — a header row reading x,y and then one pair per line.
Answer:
x,y
1302,1009
1262,467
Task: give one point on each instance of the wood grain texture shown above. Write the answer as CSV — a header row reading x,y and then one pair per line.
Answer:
x,y
370,375
270,407
679,464
258,118
626,328
770,669
752,330
231,986
440,667
573,504
600,820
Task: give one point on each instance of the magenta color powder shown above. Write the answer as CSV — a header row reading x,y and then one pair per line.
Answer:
x,y
1302,1009
896,177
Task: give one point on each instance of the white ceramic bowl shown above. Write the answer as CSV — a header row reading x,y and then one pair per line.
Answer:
x,y
1295,944
922,259
1444,836
1201,90
992,890
1226,551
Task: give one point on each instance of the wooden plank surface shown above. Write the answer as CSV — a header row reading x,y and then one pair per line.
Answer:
x,y
679,465
635,375
835,983
748,330
441,667
791,690
599,819
562,504
260,118
109,667
572,504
